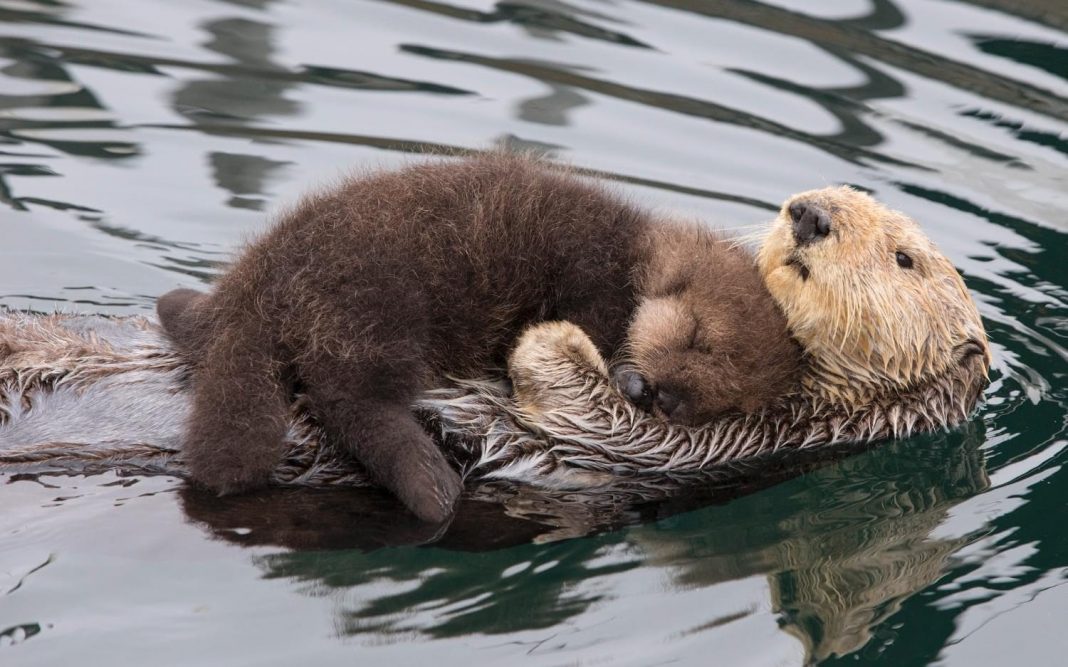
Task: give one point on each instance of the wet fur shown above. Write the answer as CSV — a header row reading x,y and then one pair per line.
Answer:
x,y
365,295
871,329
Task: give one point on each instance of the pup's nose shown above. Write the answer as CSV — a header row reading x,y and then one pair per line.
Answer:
x,y
667,402
634,387
811,222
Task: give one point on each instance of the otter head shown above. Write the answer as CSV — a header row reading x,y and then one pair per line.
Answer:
x,y
705,337
876,307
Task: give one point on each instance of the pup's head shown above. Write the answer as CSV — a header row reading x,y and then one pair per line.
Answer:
x,y
877,308
705,338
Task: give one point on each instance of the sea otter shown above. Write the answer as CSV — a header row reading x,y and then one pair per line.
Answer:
x,y
370,293
903,353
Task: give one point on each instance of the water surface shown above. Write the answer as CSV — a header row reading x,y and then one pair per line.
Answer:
x,y
141,142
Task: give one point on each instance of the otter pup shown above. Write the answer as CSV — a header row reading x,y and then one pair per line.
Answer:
x,y
364,295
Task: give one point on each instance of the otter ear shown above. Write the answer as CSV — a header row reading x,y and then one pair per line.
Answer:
x,y
969,349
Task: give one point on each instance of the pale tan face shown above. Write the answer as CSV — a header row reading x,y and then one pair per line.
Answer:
x,y
874,303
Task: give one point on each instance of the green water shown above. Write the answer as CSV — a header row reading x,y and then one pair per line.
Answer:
x,y
141,142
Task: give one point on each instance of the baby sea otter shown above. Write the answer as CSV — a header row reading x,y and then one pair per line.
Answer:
x,y
366,295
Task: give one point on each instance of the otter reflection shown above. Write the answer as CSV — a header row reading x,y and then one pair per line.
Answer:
x,y
843,543
844,546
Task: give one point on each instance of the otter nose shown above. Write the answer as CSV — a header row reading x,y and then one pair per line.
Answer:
x,y
635,388
666,402
811,222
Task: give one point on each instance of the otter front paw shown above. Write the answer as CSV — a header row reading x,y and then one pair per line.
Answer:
x,y
174,304
550,365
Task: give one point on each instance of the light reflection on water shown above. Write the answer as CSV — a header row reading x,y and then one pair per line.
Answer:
x,y
141,142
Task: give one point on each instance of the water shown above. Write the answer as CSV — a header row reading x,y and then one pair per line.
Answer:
x,y
140,142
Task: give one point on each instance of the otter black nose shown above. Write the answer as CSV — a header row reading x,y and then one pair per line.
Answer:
x,y
811,222
666,402
635,388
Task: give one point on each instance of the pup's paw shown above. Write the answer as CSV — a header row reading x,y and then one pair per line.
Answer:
x,y
229,480
430,491
555,342
226,471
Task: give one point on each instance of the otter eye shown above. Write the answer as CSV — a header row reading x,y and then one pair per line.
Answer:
x,y
903,260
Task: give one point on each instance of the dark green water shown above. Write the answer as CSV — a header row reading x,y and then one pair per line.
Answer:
x,y
140,142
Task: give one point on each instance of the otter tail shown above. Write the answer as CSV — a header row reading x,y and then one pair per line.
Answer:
x,y
236,429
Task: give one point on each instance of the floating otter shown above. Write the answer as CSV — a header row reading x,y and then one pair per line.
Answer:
x,y
89,392
367,294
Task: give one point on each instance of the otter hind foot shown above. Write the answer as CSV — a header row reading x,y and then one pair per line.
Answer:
x,y
386,439
230,475
236,428
399,454
242,460
237,451
427,485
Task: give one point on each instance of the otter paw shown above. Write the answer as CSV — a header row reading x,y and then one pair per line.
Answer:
x,y
227,482
555,341
548,359
430,493
227,473
179,314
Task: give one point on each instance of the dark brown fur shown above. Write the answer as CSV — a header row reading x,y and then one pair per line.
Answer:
x,y
364,295
705,331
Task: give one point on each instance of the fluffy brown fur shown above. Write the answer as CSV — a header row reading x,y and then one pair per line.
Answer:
x,y
366,294
704,335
